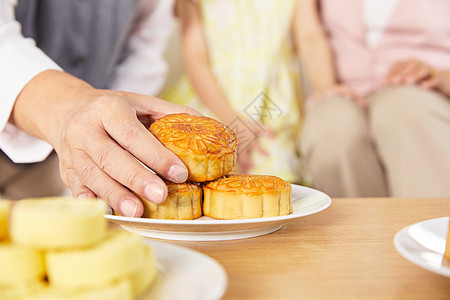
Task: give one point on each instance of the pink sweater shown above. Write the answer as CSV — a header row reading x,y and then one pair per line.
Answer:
x,y
417,29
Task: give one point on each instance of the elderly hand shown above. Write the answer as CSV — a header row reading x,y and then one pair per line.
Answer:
x,y
411,72
99,136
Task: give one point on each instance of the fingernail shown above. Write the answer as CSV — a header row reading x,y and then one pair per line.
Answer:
x,y
154,192
84,196
128,208
178,173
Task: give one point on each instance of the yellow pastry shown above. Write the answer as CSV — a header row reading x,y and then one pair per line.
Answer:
x,y
206,146
120,290
4,212
20,291
19,264
143,278
50,223
184,202
117,256
247,196
113,265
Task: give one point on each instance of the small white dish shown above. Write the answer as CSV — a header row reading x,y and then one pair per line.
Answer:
x,y
305,201
185,274
423,244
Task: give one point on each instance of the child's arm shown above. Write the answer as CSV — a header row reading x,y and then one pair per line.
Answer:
x,y
196,61
311,42
316,55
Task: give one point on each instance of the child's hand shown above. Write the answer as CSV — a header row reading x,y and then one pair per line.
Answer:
x,y
248,134
336,90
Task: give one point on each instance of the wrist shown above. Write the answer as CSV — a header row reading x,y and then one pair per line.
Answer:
x,y
45,101
228,117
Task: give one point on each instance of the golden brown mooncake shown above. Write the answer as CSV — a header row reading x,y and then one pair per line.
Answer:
x,y
206,146
247,196
184,202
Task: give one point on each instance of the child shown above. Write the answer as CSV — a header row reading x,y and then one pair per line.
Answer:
x,y
242,69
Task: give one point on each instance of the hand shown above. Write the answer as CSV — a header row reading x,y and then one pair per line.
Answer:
x,y
412,72
248,133
336,90
99,136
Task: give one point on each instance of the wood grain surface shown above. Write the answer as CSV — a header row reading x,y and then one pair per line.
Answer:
x,y
344,252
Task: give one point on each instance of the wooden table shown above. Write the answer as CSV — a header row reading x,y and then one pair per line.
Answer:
x,y
343,252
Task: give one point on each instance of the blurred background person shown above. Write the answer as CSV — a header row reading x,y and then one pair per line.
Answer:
x,y
115,44
378,123
241,68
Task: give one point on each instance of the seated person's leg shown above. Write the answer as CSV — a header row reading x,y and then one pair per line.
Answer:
x,y
411,129
30,180
338,151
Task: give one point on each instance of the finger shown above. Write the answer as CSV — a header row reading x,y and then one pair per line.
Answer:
x,y
261,130
63,173
418,74
266,132
257,145
76,186
244,163
360,101
402,75
347,93
430,83
270,134
138,141
83,192
343,91
159,108
72,181
109,190
125,169
388,79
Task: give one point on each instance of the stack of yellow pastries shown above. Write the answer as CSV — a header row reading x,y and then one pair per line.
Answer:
x,y
208,149
60,248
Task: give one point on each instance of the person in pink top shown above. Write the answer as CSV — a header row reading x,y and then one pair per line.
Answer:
x,y
378,121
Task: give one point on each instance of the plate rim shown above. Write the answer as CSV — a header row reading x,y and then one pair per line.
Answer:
x,y
327,204
401,249
213,236
223,281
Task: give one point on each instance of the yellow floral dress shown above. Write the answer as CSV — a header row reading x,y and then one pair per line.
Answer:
x,y
252,58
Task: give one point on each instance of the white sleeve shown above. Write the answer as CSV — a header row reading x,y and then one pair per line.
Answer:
x,y
20,61
144,68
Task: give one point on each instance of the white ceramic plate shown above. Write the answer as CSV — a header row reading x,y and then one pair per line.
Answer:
x,y
185,275
305,201
424,244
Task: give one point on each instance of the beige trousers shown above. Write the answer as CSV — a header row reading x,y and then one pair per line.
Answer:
x,y
400,147
18,181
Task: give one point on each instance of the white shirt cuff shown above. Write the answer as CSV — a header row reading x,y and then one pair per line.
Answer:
x,y
21,61
22,147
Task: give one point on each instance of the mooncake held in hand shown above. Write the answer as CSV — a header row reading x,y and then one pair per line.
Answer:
x,y
206,146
